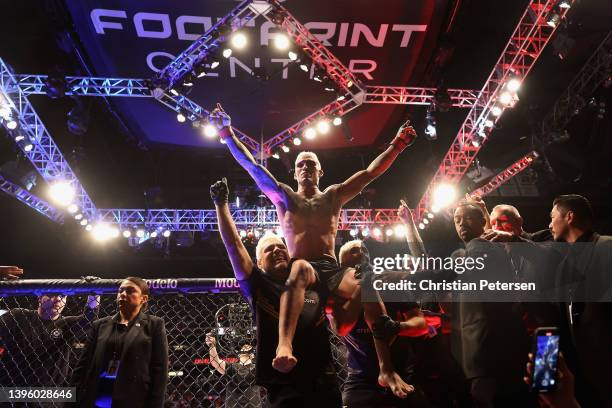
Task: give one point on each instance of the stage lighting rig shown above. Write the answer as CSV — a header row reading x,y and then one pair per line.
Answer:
x,y
442,100
55,86
431,132
62,193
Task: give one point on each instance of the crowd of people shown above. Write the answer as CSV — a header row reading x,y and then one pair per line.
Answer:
x,y
485,359
455,351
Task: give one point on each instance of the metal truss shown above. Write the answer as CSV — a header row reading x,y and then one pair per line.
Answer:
x,y
44,153
320,55
209,42
595,72
206,220
87,86
31,201
124,87
505,175
518,57
335,108
400,95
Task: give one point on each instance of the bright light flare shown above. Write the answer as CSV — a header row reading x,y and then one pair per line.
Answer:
x,y
310,133
444,195
513,85
281,42
210,131
400,231
239,40
62,193
323,126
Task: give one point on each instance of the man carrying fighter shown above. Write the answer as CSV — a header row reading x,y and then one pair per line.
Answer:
x,y
309,219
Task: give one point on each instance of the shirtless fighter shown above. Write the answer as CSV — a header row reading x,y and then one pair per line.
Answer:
x,y
309,219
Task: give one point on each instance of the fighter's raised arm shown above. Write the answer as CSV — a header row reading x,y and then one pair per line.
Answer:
x,y
358,181
265,181
242,264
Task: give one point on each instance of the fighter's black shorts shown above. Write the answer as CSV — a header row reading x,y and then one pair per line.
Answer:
x,y
329,272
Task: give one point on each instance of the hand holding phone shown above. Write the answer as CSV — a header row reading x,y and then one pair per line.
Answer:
x,y
545,354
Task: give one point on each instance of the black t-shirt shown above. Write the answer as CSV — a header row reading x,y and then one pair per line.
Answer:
x,y
241,391
362,359
36,351
311,345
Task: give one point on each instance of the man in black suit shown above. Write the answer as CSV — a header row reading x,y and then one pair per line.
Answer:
x,y
585,280
489,339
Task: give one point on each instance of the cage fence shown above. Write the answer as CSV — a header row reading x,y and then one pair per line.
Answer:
x,y
38,352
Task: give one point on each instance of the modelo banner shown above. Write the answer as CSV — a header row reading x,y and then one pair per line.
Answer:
x,y
382,42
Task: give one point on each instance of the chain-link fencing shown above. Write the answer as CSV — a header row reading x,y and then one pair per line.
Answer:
x,y
211,337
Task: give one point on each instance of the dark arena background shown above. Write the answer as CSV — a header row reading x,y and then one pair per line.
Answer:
x,y
107,153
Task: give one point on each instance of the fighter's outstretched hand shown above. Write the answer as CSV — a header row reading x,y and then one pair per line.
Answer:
x,y
405,213
219,117
219,192
10,272
406,135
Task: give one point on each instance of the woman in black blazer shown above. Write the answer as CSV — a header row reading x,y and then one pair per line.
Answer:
x,y
125,360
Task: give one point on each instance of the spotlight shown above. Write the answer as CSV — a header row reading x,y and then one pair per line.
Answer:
x,y
72,208
310,133
55,86
505,98
323,126
513,85
389,232
19,138
425,221
180,117
200,71
337,121
174,91
188,80
276,155
127,233
496,111
354,232
11,124
564,4
553,19
78,216
292,55
443,195
341,97
153,234
101,232
400,231
88,228
257,233
430,216
5,112
238,40
297,141
318,76
28,147
227,52
166,233
84,221
489,123
304,67
78,119
281,41
210,131
62,193
140,233
442,100
243,234
377,232
365,232
421,226
285,149
430,125
215,64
